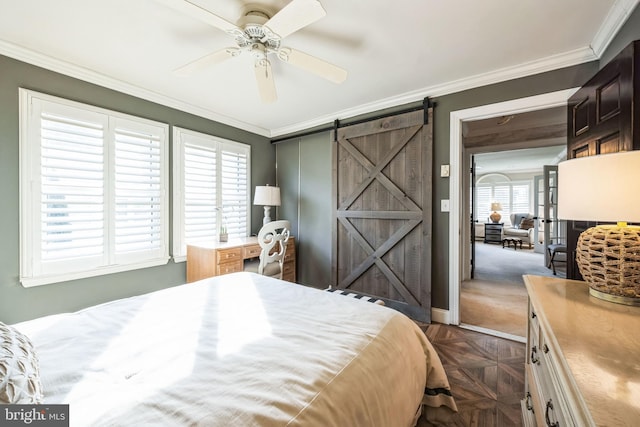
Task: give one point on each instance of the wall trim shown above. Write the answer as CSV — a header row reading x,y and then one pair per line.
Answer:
x,y
52,64
567,59
440,315
618,15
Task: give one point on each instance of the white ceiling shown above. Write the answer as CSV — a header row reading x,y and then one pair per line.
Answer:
x,y
527,160
394,51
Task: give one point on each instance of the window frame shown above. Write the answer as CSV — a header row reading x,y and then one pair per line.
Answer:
x,y
181,136
35,272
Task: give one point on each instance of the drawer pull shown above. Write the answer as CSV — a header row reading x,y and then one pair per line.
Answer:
x,y
546,415
545,348
533,315
529,404
534,355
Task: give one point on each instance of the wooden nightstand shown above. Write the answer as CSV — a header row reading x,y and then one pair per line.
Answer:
x,y
493,232
217,258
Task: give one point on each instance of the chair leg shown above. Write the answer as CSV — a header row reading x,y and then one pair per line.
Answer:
x,y
553,266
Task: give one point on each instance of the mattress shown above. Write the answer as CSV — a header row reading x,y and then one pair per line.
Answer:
x,y
239,350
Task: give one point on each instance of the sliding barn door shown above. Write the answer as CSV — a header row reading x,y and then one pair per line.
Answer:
x,y
382,190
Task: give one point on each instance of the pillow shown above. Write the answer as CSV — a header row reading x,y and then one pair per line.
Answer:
x,y
526,223
19,371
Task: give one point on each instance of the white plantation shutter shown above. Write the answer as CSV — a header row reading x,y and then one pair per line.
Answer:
x,y
501,194
200,193
72,190
235,192
483,202
520,196
211,189
92,193
138,191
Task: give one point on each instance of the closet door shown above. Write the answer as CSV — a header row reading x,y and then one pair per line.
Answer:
x,y
603,117
382,188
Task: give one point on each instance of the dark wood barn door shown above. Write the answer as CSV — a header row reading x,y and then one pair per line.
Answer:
x,y
382,188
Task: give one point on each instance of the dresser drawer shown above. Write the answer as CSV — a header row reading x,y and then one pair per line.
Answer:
x,y
228,255
526,405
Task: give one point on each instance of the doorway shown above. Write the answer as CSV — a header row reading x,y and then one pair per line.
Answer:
x,y
492,293
459,229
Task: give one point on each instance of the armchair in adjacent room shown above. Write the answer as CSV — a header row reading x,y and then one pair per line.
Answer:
x,y
522,227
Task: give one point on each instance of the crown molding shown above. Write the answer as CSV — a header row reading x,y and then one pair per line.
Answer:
x,y
52,64
615,19
550,63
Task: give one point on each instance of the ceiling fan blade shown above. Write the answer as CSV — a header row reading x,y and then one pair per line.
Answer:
x,y
191,9
295,15
207,60
266,83
312,64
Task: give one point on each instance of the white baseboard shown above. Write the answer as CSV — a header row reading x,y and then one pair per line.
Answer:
x,y
491,332
440,315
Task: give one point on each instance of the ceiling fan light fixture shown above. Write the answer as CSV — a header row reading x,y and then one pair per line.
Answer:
x,y
260,34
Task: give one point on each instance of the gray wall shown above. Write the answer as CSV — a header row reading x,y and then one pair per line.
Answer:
x,y
300,161
304,174
18,303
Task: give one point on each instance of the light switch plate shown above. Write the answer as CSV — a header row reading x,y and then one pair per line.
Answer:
x,y
444,205
444,171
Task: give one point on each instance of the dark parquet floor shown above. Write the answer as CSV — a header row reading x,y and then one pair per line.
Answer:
x,y
486,375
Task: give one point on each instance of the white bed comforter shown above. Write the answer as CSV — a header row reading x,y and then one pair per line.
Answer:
x,y
236,350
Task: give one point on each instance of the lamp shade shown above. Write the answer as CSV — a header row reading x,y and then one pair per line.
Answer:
x,y
267,196
603,188
600,188
496,206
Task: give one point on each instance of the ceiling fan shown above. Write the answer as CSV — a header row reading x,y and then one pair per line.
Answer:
x,y
261,35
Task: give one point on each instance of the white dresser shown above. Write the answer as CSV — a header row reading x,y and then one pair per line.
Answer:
x,y
583,357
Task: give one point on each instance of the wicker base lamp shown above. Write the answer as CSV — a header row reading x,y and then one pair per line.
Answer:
x,y
604,188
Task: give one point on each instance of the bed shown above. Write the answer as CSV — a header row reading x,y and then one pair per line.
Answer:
x,y
239,350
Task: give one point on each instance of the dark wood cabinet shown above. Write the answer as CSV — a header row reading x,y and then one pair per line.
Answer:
x,y
603,117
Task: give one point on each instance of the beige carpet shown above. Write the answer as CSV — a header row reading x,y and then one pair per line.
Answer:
x,y
494,305
497,299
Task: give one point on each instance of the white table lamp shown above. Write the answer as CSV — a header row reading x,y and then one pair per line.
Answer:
x,y
267,196
604,188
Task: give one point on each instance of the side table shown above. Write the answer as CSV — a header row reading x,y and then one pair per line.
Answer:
x,y
493,232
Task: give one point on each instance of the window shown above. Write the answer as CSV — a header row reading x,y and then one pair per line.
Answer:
x,y
514,196
211,187
92,191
